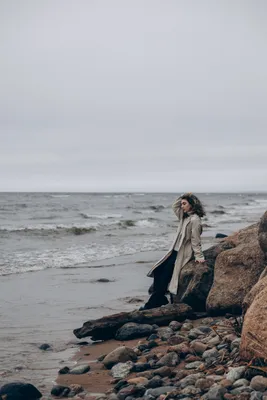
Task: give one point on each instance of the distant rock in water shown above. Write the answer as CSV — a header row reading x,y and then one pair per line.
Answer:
x,y
81,230
220,236
218,212
102,280
45,346
127,223
19,391
157,208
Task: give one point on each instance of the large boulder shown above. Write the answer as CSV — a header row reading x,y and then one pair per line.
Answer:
x,y
196,278
244,235
237,270
253,293
254,332
132,331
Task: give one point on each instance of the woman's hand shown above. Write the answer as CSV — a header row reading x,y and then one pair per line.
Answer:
x,y
201,261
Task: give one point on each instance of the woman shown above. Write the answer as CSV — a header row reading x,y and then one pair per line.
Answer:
x,y
186,247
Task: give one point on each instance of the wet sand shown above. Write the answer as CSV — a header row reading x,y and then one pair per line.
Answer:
x,y
45,306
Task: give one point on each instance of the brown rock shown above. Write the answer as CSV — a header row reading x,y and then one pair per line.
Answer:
x,y
121,354
226,383
181,349
236,272
204,384
145,374
244,235
181,373
191,358
254,332
177,339
199,347
259,383
162,372
141,380
220,371
260,285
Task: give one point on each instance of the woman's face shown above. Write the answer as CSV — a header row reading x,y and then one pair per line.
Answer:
x,y
186,207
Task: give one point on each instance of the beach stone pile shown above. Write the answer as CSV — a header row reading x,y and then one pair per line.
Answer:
x,y
190,360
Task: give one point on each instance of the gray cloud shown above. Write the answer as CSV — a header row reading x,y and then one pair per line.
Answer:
x,y
133,95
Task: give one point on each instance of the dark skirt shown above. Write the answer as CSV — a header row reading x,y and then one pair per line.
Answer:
x,y
162,277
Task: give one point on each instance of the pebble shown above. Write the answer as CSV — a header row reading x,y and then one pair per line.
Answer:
x,y
191,390
194,333
165,333
155,382
64,371
193,365
45,346
212,353
216,393
235,343
175,325
80,369
140,367
187,326
163,371
256,396
190,380
240,383
158,391
177,339
235,373
169,360
181,349
199,347
60,391
121,370
138,381
204,384
259,383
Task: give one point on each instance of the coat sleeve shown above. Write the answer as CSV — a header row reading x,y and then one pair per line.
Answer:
x,y
196,241
177,208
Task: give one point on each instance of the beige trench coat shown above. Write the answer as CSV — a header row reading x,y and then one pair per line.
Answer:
x,y
189,245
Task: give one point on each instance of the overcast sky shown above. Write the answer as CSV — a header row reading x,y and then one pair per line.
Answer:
x,y
133,95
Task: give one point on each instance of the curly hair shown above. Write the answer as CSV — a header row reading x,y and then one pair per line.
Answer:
x,y
195,203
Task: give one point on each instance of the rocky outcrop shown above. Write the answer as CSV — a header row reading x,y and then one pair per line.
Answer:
x,y
196,279
254,332
263,233
236,271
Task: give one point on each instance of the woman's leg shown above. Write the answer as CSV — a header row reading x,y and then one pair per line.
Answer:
x,y
162,277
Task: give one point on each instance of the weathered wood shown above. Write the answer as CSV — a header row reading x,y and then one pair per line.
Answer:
x,y
106,327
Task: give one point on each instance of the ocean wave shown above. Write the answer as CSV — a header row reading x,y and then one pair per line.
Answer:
x,y
142,223
99,216
59,196
79,256
46,231
78,229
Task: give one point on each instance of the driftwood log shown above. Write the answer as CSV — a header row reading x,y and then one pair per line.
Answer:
x,y
106,327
